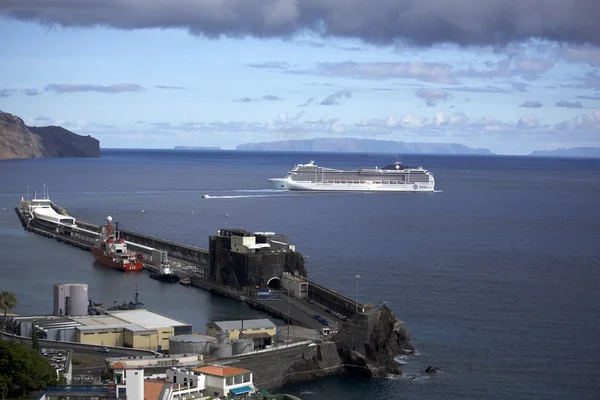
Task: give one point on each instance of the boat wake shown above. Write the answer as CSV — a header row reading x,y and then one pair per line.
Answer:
x,y
248,196
437,191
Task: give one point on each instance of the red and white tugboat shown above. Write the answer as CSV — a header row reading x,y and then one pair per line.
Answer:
x,y
113,252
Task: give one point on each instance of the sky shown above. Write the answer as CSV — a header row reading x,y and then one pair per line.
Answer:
x,y
512,76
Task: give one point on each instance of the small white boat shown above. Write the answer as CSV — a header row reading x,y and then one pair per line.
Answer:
x,y
205,196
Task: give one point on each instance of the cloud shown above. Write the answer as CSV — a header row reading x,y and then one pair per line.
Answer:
x,y
424,22
582,122
581,54
272,97
307,102
433,96
526,68
569,104
4,93
76,88
336,98
527,122
423,71
482,89
43,119
31,92
166,87
531,104
268,97
520,86
589,97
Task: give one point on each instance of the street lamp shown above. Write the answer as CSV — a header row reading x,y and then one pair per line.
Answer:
x,y
357,278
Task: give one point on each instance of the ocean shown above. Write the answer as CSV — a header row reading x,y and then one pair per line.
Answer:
x,y
497,276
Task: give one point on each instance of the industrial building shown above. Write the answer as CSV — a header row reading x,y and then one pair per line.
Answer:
x,y
245,260
138,329
70,299
295,285
259,331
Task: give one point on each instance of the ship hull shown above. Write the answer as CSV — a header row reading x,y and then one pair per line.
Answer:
x,y
369,186
107,261
169,278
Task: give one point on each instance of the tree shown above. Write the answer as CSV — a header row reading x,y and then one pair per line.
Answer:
x,y
34,337
8,301
22,370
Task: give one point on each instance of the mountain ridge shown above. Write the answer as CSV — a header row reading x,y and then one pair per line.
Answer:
x,y
591,152
351,145
19,141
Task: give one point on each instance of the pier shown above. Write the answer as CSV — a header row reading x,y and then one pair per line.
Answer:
x,y
195,263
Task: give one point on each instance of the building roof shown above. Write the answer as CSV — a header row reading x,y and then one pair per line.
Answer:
x,y
153,389
146,319
133,328
99,320
248,324
119,365
216,370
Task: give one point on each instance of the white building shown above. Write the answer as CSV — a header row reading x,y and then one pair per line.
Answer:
x,y
186,383
224,381
295,285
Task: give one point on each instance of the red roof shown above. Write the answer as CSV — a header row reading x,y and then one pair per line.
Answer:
x,y
119,365
221,371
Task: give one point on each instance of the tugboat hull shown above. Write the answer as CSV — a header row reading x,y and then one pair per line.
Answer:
x,y
169,278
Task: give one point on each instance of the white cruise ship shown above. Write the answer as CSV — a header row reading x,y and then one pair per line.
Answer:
x,y
392,178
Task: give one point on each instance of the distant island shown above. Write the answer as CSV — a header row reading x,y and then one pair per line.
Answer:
x,y
351,145
18,141
586,152
197,148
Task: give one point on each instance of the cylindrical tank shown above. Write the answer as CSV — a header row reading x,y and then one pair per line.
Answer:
x,y
223,338
191,344
222,351
78,299
242,346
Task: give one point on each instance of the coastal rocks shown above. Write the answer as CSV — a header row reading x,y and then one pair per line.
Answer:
x,y
365,346
18,141
432,370
369,342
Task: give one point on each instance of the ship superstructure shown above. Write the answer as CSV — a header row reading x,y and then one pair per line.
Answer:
x,y
391,178
112,251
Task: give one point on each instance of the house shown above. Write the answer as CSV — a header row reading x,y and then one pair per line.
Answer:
x,y
261,331
227,381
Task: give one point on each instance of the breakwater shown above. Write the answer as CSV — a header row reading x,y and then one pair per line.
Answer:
x,y
193,262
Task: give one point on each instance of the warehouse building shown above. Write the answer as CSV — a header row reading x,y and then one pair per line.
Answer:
x,y
138,329
261,331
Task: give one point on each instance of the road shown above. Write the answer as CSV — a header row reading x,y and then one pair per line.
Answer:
x,y
304,312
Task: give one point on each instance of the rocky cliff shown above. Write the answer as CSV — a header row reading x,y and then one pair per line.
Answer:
x,y
366,345
17,140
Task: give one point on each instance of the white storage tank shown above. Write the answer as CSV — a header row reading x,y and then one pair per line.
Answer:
x,y
242,346
223,338
222,351
78,299
191,344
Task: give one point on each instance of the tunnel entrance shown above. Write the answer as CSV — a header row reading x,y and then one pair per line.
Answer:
x,y
274,283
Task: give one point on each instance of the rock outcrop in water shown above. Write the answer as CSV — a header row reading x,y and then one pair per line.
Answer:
x,y
366,345
17,140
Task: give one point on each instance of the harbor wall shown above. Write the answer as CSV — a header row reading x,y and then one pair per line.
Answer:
x,y
334,300
180,251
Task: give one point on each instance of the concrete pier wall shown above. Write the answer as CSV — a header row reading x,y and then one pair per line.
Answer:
x,y
176,250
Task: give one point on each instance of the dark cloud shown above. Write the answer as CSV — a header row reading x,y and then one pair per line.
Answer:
x,y
433,96
31,92
167,87
76,88
531,104
569,104
336,98
424,22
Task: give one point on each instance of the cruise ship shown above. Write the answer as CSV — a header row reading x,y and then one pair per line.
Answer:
x,y
391,178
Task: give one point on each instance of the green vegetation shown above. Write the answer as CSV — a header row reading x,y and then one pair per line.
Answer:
x,y
23,369
8,301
